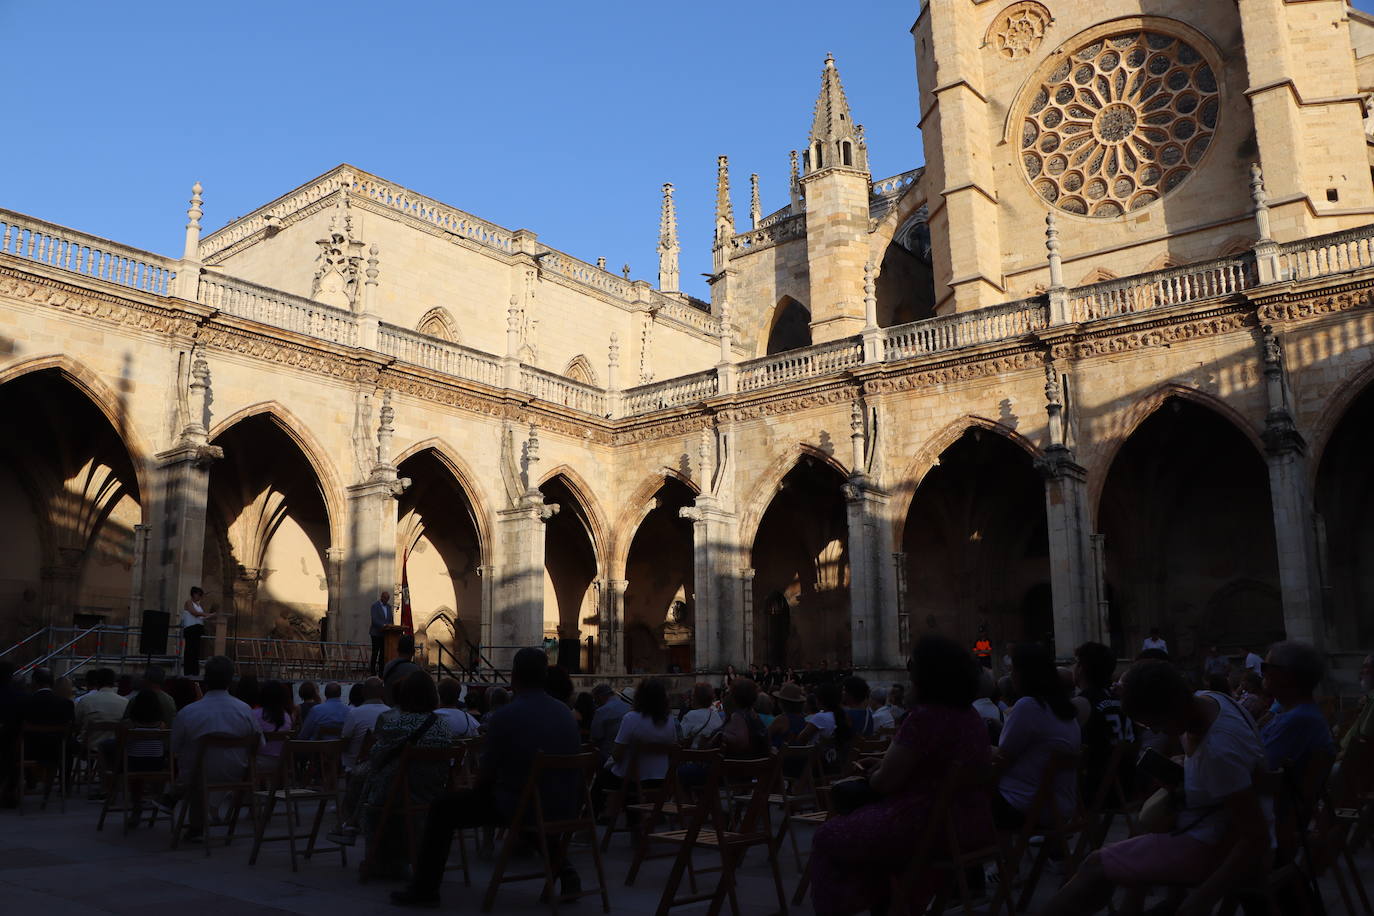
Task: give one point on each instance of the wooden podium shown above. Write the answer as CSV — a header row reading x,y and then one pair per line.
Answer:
x,y
391,634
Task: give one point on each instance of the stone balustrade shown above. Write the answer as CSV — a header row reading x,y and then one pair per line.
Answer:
x,y
791,227
674,392
1176,286
67,249
278,309
1323,255
439,355
896,184
798,365
559,389
966,329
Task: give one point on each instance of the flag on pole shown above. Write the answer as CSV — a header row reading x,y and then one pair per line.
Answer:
x,y
406,623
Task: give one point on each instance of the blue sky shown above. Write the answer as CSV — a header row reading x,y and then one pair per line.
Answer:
x,y
562,118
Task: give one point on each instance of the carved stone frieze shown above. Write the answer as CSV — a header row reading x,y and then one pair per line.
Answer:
x,y
305,358
93,305
673,429
1315,306
792,403
1161,335
958,372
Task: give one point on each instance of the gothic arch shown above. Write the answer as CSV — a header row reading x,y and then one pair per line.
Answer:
x,y
928,455
766,486
325,475
579,369
439,322
1099,457
637,507
895,221
105,399
1236,245
1337,406
467,481
1096,275
1165,261
789,328
594,517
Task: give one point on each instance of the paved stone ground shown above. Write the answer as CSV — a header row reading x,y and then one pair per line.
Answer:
x,y
57,863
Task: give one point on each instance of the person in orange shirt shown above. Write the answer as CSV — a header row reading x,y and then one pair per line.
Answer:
x,y
982,647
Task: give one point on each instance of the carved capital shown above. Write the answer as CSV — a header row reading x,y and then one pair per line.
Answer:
x,y
1058,464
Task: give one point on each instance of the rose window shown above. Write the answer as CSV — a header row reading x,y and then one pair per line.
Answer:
x,y
1120,123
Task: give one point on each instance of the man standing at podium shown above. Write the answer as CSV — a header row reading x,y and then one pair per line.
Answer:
x,y
381,617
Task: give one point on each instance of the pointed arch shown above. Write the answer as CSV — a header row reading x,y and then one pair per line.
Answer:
x,y
1099,457
478,504
928,456
315,455
593,516
1338,404
1165,261
579,369
766,485
439,322
1236,245
106,400
637,506
789,328
1097,275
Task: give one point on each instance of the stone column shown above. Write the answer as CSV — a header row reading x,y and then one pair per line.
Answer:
x,y
518,618
58,587
245,589
718,638
746,599
1291,498
872,588
139,574
370,567
1070,546
333,571
613,627
484,631
182,485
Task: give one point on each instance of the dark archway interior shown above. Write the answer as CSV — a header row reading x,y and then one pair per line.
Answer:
x,y
659,602
905,288
266,533
801,556
1345,507
791,327
69,501
976,546
1189,536
437,528
569,569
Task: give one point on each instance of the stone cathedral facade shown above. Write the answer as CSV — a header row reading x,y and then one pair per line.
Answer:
x,y
1103,364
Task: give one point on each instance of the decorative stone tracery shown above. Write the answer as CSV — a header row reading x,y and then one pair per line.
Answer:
x,y
1119,123
1018,30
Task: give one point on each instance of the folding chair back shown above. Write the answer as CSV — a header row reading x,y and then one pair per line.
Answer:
x,y
1110,799
1045,819
240,790
307,771
400,802
43,737
533,804
129,784
632,786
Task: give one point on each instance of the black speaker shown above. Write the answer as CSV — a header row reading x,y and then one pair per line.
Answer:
x,y
152,636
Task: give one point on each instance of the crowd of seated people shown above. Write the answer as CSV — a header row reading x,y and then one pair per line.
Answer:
x,y
951,716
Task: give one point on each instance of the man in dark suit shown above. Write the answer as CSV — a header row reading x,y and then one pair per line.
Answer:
x,y
380,617
44,707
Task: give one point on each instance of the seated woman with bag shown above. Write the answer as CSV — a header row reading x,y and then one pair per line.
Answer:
x,y
854,857
1215,833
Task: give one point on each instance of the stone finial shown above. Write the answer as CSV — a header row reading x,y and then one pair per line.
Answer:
x,y
1054,404
1273,351
191,251
704,462
613,354
601,263
1257,195
870,297
668,247
794,188
755,210
1052,246
532,460
726,333
372,262
856,437
625,270
199,395
385,429
513,327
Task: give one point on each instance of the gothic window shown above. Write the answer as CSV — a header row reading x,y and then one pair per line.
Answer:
x,y
437,322
1119,123
579,369
847,153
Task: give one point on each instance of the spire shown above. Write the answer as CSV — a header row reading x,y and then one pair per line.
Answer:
x,y
725,213
836,141
668,248
755,211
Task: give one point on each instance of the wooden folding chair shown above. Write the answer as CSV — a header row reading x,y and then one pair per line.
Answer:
x,y
31,736
708,828
1111,799
618,800
530,816
940,849
1045,820
307,771
125,783
400,801
797,768
240,791
674,804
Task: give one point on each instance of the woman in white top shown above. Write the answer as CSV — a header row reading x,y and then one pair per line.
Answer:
x,y
700,724
460,722
193,618
1043,721
645,735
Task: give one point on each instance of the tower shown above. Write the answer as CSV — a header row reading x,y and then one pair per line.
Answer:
x,y
836,183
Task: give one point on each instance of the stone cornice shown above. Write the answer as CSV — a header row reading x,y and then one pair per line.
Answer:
x,y
27,282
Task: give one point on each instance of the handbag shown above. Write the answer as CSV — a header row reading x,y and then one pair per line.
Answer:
x,y
851,794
